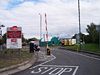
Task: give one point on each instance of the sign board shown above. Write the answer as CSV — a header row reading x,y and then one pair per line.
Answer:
x,y
14,37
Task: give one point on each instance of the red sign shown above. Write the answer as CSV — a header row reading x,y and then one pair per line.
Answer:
x,y
14,37
14,34
14,28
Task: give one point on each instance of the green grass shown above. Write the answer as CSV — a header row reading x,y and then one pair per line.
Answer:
x,y
86,47
13,57
91,47
74,47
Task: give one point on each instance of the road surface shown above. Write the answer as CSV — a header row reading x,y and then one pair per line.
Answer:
x,y
65,62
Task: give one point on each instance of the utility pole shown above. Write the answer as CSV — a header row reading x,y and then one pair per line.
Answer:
x,y
40,28
79,25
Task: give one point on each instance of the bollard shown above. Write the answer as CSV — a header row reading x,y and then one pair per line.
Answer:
x,y
48,51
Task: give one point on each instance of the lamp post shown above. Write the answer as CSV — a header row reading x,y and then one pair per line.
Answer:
x,y
1,35
79,25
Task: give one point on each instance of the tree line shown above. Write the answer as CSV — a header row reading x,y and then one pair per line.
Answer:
x,y
91,37
24,40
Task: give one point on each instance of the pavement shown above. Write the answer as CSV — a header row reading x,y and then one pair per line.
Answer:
x,y
37,56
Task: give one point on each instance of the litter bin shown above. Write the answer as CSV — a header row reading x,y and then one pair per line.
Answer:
x,y
31,47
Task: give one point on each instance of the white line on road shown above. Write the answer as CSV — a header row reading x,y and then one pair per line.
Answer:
x,y
58,66
44,62
49,60
70,69
63,67
55,69
84,55
75,70
52,72
47,70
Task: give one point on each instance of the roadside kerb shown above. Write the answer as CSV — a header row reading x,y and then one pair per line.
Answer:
x,y
19,67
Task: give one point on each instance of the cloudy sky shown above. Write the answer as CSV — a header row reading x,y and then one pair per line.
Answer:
x,y
62,15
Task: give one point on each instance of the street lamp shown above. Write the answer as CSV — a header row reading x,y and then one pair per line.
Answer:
x,y
1,35
79,25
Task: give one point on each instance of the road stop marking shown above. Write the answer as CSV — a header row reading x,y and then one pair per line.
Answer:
x,y
55,70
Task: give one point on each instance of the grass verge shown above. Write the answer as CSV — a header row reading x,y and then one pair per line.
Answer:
x,y
13,57
86,47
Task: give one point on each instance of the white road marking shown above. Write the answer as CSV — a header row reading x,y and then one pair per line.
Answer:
x,y
47,70
84,55
70,69
40,69
49,60
52,72
44,62
63,67
58,66
75,70
55,70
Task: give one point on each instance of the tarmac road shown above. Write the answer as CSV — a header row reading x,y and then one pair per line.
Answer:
x,y
64,62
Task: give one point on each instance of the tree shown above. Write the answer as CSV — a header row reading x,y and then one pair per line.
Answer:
x,y
4,38
24,40
93,34
1,41
87,39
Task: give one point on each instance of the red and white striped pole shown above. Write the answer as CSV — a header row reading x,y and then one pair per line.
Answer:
x,y
46,29
48,49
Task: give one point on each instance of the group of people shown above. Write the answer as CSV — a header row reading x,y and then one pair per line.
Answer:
x,y
34,47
